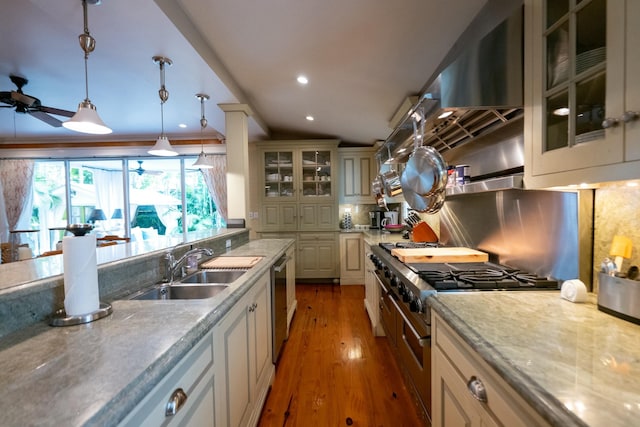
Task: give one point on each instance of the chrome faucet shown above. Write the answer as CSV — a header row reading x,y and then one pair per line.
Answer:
x,y
172,265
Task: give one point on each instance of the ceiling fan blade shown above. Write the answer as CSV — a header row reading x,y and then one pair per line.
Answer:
x,y
21,97
56,111
46,118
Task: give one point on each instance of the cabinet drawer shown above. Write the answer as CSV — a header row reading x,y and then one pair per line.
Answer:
x,y
503,403
193,374
317,236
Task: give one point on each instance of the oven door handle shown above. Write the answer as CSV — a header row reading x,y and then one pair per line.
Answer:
x,y
423,341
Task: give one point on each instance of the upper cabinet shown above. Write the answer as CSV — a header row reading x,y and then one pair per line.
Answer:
x,y
580,91
358,169
298,173
296,185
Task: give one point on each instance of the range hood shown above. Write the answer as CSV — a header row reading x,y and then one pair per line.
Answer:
x,y
481,90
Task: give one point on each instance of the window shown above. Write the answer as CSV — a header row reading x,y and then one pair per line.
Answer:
x,y
81,191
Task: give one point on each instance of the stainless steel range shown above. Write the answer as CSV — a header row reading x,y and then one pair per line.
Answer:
x,y
404,313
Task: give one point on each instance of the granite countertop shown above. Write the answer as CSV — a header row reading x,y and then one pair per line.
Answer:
x,y
573,363
95,374
19,273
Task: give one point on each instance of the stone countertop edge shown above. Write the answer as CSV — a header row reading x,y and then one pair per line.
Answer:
x,y
543,402
137,373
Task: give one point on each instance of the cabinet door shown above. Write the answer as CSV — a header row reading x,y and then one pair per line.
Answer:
x,y
278,167
234,341
567,92
631,80
291,286
315,216
260,322
351,259
356,174
317,256
317,174
279,216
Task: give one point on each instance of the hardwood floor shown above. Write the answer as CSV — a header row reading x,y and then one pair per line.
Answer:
x,y
333,371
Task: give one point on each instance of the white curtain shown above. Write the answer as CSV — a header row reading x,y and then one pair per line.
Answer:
x,y
109,193
16,182
216,180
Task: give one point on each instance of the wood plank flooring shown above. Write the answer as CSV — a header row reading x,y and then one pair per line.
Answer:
x,y
333,371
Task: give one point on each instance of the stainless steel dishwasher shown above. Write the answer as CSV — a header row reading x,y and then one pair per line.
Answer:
x,y
279,305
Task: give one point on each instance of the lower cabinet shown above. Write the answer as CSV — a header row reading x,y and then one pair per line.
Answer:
x,y
185,397
468,392
292,302
372,292
317,253
351,259
230,393
243,352
317,256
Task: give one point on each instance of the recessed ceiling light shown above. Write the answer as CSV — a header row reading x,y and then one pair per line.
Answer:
x,y
310,118
563,111
303,80
182,125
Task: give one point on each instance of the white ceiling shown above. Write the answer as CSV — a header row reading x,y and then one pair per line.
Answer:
x,y
362,57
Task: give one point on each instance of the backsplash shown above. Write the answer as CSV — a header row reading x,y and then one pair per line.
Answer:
x,y
617,212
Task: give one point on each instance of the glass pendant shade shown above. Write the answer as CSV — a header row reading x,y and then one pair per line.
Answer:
x,y
162,148
86,120
203,161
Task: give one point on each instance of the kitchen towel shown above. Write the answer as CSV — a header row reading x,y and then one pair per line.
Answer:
x,y
574,291
81,292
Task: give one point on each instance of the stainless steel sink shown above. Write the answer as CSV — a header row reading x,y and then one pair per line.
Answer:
x,y
213,276
180,291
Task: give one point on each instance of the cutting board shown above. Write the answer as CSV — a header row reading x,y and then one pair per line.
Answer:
x,y
439,255
232,262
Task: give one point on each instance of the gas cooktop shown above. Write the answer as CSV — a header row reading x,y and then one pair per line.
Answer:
x,y
479,276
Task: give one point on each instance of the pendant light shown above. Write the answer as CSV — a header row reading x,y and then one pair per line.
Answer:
x,y
162,147
203,161
86,119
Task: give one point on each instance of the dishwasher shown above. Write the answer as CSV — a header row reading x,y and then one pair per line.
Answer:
x,y
279,305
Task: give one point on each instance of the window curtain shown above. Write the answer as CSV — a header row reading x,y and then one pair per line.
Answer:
x,y
108,186
16,182
216,180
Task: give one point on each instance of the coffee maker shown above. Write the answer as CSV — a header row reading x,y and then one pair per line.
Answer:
x,y
376,219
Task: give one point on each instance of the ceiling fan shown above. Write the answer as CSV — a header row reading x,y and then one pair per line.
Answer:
x,y
140,170
27,104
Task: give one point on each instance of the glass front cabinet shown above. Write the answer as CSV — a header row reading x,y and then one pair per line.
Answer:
x,y
577,78
298,184
298,174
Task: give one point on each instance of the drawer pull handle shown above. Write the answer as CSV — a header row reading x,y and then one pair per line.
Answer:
x,y
477,390
176,401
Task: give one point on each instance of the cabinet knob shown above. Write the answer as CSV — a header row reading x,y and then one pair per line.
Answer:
x,y
609,122
630,116
176,401
477,390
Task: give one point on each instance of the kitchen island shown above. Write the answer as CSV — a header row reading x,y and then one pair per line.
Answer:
x,y
96,373
571,363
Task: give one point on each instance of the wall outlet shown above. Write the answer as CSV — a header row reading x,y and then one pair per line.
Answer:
x,y
228,243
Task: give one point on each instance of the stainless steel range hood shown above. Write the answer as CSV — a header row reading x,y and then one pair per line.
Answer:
x,y
482,89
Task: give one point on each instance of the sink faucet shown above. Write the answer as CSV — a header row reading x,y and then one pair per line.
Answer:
x,y
172,265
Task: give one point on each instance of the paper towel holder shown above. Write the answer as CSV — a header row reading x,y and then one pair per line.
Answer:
x,y
60,317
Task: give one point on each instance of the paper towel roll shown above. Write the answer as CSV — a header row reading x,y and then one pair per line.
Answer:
x,y
81,292
574,290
